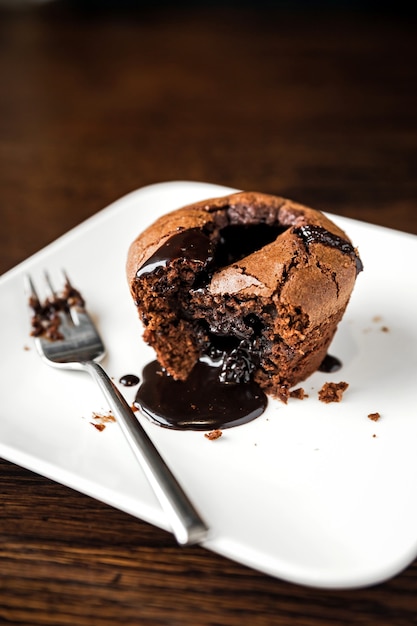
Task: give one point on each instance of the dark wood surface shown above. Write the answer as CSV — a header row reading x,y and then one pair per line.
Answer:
x,y
320,106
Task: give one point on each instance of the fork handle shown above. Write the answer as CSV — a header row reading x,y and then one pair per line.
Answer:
x,y
186,523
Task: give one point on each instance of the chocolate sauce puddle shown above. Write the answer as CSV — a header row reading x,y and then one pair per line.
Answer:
x,y
201,402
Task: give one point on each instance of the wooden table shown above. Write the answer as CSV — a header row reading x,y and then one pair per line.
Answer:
x,y
316,105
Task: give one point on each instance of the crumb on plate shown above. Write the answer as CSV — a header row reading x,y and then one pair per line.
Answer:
x,y
101,419
213,434
332,392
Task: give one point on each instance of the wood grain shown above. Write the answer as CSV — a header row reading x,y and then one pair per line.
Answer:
x,y
320,106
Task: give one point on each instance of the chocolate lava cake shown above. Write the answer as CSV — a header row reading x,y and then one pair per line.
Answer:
x,y
252,282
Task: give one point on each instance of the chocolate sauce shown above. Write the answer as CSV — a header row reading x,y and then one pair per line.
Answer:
x,y
238,241
129,380
317,234
330,364
234,243
191,244
201,402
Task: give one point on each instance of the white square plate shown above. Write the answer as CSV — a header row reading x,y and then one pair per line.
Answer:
x,y
311,493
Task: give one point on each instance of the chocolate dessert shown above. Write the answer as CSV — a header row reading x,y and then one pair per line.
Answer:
x,y
252,283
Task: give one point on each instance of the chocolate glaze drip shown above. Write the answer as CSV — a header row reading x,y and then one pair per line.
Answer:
x,y
191,244
330,364
317,234
201,402
236,242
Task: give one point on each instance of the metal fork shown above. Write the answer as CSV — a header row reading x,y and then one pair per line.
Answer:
x,y
66,337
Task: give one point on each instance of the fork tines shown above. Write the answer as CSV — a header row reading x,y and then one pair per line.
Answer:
x,y
47,314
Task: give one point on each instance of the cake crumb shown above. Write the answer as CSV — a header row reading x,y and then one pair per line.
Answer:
x,y
385,329
298,393
99,427
46,320
374,416
332,392
104,417
213,434
101,419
